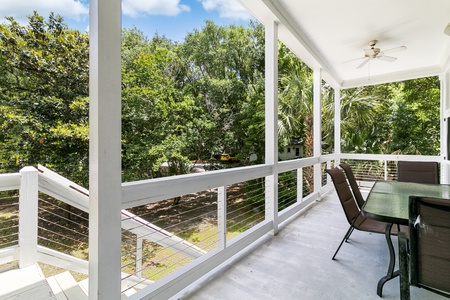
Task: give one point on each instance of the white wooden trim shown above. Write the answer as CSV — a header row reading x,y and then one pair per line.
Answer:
x,y
63,192
299,184
9,182
390,157
317,95
105,31
62,260
289,165
222,217
9,254
28,217
271,121
154,190
444,115
337,121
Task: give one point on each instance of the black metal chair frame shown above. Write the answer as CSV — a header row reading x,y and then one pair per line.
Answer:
x,y
409,257
351,209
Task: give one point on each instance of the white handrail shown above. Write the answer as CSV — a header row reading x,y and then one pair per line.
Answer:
x,y
9,182
69,192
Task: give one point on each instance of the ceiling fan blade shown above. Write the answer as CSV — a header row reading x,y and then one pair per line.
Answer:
x,y
359,58
401,48
387,58
363,63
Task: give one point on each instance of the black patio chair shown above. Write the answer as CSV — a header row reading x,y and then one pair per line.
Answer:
x,y
429,247
351,209
418,171
353,184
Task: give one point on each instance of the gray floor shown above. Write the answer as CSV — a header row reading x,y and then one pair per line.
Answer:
x,y
296,264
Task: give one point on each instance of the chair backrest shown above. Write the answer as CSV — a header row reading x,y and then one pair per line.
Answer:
x,y
429,224
353,184
418,171
344,194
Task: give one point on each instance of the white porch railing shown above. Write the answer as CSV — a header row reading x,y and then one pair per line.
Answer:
x,y
161,252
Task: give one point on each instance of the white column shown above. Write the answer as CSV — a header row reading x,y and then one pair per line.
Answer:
x,y
28,217
222,217
300,185
104,149
139,257
317,96
337,125
444,117
271,121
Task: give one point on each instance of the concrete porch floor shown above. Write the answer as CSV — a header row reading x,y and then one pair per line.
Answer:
x,y
296,264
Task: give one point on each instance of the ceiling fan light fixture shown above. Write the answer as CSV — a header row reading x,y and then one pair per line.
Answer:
x,y
447,29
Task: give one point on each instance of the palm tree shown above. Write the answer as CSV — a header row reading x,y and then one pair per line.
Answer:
x,y
295,111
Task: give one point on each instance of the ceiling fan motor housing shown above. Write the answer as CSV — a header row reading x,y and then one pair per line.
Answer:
x,y
372,52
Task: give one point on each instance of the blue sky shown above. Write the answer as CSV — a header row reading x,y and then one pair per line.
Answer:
x,y
171,18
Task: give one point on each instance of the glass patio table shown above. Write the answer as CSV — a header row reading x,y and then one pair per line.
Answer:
x,y
388,202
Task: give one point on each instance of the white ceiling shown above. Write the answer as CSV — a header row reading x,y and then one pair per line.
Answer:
x,y
327,33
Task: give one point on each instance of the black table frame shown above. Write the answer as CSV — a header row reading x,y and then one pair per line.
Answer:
x,y
396,195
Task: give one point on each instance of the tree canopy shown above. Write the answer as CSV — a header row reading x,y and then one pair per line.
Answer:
x,y
187,101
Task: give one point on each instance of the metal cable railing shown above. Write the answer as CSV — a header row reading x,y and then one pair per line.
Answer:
x,y
161,237
9,219
245,206
287,189
167,226
190,221
62,227
371,170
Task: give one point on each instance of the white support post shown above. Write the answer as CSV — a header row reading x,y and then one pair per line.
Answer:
x,y
139,242
337,125
317,95
300,185
271,120
104,150
444,115
385,170
222,217
28,217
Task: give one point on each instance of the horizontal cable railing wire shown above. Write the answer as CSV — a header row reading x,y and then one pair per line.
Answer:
x,y
308,180
192,219
370,170
245,206
323,166
62,227
9,219
180,222
287,189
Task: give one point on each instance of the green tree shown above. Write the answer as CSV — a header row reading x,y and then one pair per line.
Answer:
x,y
161,122
225,71
401,117
43,96
416,119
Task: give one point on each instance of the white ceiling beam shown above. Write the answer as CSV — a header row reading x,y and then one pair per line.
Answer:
x,y
392,77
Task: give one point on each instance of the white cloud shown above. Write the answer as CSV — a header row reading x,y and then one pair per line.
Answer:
x,y
20,9
230,9
137,8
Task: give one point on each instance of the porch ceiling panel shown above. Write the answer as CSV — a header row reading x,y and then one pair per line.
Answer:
x,y
329,33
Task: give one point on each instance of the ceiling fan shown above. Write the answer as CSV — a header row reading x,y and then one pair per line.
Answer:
x,y
376,53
